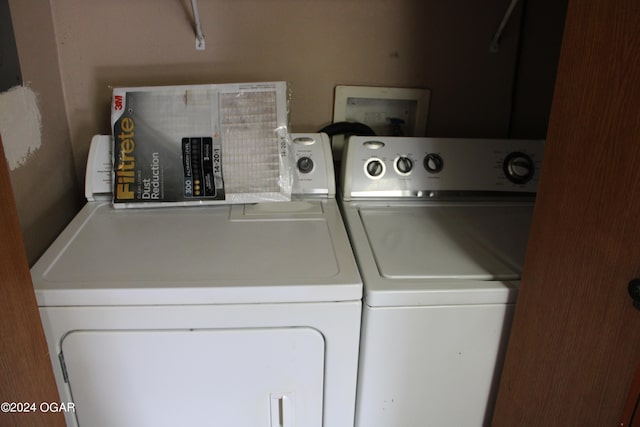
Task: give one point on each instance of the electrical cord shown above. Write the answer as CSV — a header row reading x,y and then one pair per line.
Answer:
x,y
348,128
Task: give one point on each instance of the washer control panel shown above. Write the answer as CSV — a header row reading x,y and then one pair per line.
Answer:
x,y
312,165
421,167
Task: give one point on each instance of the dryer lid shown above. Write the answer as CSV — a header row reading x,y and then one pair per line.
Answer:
x,y
271,252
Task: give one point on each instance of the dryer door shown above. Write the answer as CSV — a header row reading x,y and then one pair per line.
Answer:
x,y
271,377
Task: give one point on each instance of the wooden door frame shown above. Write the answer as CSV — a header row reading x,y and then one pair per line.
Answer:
x,y
26,375
575,339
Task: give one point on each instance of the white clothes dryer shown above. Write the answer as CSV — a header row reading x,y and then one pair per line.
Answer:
x,y
227,315
439,229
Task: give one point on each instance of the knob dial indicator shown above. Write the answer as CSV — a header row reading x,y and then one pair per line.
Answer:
x,y
518,167
433,163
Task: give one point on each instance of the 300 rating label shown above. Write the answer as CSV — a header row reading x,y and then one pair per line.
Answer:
x,y
25,407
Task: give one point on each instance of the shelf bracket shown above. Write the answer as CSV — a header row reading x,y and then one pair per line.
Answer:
x,y
200,45
495,42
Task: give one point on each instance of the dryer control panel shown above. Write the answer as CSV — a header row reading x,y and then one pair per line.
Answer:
x,y
312,167
405,167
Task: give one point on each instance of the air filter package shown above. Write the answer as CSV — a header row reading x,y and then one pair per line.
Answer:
x,y
200,144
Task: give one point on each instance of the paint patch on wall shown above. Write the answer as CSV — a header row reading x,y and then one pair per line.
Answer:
x,y
20,125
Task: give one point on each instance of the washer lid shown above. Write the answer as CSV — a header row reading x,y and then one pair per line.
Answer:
x,y
440,253
272,252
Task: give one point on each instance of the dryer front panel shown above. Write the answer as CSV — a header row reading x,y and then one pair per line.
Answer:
x,y
271,377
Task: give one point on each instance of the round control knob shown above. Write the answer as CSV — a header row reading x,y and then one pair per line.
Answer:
x,y
433,163
305,164
374,168
518,168
404,165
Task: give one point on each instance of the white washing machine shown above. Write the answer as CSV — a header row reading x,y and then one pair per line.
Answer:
x,y
439,229
227,315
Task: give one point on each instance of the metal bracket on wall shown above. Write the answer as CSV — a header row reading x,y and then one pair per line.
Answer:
x,y
200,45
495,42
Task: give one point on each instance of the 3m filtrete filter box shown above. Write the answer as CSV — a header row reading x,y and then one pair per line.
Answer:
x,y
200,144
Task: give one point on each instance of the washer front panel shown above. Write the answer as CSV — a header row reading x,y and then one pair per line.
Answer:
x,y
431,366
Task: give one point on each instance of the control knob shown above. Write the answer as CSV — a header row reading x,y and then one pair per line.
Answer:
x,y
374,168
305,164
433,163
404,165
518,168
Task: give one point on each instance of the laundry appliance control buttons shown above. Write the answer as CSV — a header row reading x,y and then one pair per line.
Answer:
x,y
518,167
374,168
305,164
403,165
433,163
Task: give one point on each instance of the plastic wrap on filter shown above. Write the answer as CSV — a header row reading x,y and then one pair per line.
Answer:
x,y
202,144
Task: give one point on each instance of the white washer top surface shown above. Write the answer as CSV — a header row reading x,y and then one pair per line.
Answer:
x,y
270,252
433,253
